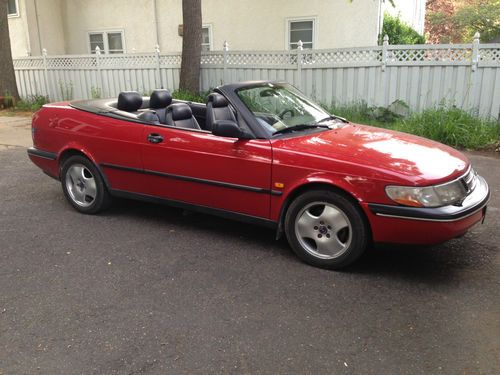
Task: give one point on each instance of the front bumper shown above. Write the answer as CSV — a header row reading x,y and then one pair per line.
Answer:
x,y
400,224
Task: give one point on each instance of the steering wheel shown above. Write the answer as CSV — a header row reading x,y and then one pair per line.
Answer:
x,y
282,114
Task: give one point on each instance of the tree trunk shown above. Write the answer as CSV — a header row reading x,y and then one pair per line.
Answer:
x,y
8,85
191,46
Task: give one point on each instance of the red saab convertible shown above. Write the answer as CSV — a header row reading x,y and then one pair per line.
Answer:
x,y
264,153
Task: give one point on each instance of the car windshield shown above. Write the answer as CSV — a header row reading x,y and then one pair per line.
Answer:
x,y
280,108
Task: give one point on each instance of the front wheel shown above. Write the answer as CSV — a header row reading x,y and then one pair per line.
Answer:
x,y
83,185
326,229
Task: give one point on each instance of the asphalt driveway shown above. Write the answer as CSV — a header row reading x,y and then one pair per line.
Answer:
x,y
146,289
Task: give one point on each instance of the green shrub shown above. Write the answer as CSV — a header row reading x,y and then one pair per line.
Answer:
x,y
452,126
191,97
32,103
448,125
399,32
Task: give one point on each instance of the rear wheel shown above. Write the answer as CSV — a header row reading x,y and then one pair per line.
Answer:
x,y
326,229
84,186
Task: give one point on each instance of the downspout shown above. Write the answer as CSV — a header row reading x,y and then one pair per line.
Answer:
x,y
157,32
38,28
380,23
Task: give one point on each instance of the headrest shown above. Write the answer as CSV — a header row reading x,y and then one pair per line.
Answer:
x,y
129,101
217,100
149,116
180,111
160,99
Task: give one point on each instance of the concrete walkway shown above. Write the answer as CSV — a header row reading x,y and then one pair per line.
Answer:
x,y
15,131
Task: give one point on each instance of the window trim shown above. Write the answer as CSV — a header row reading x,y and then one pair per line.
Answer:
x,y
288,22
105,40
209,26
14,15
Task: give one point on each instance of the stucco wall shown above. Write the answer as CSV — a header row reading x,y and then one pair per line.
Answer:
x,y
245,24
19,38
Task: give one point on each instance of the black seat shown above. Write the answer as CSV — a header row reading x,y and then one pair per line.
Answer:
x,y
159,101
129,101
218,109
181,116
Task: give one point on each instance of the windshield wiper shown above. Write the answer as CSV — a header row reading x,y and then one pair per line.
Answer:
x,y
332,117
300,127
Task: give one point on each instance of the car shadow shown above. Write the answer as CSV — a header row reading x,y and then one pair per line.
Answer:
x,y
429,264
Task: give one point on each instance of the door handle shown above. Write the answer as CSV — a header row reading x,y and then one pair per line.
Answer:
x,y
155,138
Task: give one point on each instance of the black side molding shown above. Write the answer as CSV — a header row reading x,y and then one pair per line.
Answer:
x,y
194,179
188,206
41,154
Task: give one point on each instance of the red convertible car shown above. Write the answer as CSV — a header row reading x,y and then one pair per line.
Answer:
x,y
264,153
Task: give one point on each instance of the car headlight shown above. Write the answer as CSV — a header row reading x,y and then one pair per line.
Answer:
x,y
428,196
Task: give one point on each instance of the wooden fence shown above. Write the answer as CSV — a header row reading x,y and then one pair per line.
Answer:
x,y
466,75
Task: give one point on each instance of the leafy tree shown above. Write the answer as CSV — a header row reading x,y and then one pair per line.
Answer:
x,y
191,46
399,32
456,21
481,16
8,85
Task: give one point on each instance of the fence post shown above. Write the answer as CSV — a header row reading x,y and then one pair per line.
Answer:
x,y
158,72
385,45
225,48
475,52
45,72
98,65
300,48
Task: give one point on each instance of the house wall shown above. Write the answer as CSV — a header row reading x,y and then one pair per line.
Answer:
x,y
245,24
18,31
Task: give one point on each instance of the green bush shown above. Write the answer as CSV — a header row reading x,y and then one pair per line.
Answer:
x,y
32,103
452,126
191,97
399,32
448,125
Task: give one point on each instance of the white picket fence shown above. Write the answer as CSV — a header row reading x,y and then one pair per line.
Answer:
x,y
466,75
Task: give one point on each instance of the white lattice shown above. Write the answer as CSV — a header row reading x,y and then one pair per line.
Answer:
x,y
79,62
212,58
344,56
170,59
489,55
262,58
28,63
128,61
429,54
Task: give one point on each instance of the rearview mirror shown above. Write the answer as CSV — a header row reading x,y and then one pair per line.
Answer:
x,y
230,129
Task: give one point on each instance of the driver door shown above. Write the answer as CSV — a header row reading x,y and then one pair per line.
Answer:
x,y
200,168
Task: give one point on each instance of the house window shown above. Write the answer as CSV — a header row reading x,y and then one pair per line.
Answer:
x,y
108,41
206,39
301,30
12,8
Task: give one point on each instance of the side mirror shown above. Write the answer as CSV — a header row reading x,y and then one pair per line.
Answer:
x,y
230,129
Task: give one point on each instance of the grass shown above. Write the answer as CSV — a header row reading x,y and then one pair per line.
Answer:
x,y
452,126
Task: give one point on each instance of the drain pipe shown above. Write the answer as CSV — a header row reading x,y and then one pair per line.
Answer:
x,y
157,32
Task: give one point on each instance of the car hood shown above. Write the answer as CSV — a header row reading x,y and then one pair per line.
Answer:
x,y
396,155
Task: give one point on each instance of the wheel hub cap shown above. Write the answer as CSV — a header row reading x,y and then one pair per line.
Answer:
x,y
323,230
81,185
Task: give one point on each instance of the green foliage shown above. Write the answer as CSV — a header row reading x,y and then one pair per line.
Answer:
x,y
190,96
448,125
95,92
32,103
481,16
66,90
399,32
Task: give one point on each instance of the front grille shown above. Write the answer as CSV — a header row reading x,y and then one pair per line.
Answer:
x,y
469,180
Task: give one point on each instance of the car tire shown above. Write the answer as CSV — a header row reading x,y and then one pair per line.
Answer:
x,y
326,229
84,186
